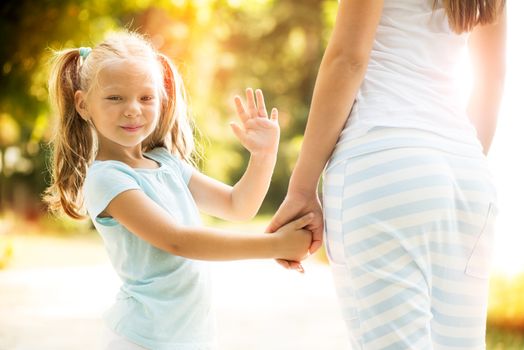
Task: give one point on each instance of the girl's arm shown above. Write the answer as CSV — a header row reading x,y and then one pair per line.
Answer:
x,y
487,46
340,75
259,134
239,202
146,219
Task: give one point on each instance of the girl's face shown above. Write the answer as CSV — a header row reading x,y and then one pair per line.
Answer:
x,y
124,106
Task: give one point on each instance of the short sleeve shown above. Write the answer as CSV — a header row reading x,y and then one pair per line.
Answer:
x,y
185,169
104,181
164,156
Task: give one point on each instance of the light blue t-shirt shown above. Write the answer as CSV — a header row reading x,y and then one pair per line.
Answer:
x,y
165,300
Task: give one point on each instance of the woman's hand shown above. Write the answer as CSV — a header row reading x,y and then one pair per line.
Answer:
x,y
296,205
259,133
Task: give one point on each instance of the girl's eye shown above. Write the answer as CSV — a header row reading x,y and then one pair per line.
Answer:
x,y
148,98
114,98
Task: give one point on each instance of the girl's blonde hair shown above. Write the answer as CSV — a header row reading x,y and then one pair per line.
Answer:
x,y
74,142
464,15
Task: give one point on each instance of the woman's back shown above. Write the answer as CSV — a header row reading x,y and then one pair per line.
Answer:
x,y
410,76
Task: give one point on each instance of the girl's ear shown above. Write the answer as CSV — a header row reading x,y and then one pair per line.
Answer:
x,y
81,104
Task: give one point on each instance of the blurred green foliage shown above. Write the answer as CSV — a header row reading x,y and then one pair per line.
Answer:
x,y
498,338
221,47
506,302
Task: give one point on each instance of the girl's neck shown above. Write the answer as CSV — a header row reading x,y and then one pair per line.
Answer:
x,y
134,158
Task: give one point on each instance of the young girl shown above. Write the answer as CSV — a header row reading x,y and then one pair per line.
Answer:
x,y
123,148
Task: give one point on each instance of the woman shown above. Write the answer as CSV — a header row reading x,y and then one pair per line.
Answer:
x,y
408,200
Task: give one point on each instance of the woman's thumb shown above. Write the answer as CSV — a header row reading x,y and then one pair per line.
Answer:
x,y
278,220
274,225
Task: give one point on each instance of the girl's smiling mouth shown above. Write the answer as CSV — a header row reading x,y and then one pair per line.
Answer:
x,y
131,128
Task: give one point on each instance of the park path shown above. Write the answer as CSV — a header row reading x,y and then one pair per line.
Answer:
x,y
57,303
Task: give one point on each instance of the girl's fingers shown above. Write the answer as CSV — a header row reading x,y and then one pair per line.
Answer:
x,y
254,108
241,111
274,114
261,104
237,130
251,107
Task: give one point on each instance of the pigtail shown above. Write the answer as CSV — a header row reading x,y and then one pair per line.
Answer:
x,y
73,140
174,115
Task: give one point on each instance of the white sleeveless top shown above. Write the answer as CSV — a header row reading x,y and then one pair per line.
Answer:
x,y
410,81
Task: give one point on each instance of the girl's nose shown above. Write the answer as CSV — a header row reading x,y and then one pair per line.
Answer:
x,y
132,109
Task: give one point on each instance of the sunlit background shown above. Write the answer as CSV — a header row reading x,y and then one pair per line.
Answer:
x,y
221,47
508,141
508,144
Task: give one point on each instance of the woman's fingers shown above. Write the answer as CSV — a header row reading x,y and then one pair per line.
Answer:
x,y
315,245
283,215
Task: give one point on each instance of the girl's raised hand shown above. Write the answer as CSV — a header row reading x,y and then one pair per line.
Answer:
x,y
259,133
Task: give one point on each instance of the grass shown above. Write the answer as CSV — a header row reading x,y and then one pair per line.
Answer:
x,y
504,339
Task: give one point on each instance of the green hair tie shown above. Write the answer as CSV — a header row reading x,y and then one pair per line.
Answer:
x,y
84,52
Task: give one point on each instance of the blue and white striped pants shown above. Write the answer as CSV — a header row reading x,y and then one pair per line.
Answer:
x,y
409,236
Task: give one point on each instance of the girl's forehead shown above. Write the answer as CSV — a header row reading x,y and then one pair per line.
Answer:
x,y
126,72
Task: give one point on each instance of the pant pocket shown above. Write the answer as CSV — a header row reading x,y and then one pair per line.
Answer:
x,y
479,262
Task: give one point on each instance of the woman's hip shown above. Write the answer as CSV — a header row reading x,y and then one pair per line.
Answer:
x,y
404,192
